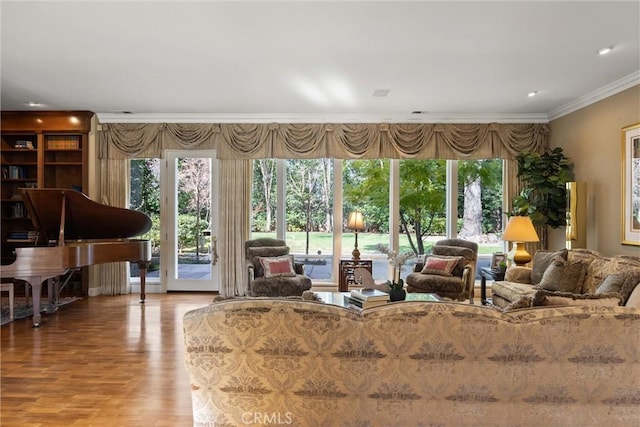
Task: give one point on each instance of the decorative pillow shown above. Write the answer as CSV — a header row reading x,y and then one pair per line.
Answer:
x,y
634,298
440,265
544,298
612,283
257,252
561,276
631,281
541,261
278,266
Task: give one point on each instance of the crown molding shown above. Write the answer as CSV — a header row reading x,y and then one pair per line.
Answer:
x,y
611,89
319,118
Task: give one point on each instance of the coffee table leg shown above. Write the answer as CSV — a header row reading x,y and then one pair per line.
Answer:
x,y
483,289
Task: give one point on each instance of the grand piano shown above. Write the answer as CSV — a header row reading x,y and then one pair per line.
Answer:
x,y
74,231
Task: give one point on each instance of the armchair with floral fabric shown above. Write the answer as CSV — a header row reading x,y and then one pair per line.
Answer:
x,y
448,271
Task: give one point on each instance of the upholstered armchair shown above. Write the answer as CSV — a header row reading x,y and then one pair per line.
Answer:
x,y
272,270
449,271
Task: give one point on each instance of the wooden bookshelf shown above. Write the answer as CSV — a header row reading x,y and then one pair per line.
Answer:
x,y
45,149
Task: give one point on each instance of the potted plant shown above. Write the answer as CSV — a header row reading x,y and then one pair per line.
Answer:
x,y
544,197
396,290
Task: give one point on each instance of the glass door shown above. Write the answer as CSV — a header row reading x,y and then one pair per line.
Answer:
x,y
191,232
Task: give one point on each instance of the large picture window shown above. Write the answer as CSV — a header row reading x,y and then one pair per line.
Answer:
x,y
428,198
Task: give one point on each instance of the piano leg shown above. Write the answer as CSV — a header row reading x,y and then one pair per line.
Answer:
x,y
142,268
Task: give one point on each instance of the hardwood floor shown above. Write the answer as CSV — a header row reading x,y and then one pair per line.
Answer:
x,y
99,361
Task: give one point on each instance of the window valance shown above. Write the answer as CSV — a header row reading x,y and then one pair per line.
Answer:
x,y
331,140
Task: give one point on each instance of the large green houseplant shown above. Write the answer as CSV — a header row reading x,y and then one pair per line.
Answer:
x,y
543,197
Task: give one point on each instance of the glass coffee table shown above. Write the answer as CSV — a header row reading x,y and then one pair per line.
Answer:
x,y
337,298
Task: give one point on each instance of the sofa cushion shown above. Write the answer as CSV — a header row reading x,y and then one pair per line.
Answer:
x,y
541,261
545,298
278,266
563,276
440,265
255,253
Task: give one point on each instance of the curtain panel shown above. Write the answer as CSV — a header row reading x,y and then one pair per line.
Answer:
x,y
235,141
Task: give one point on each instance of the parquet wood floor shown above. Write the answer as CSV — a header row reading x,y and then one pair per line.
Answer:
x,y
99,361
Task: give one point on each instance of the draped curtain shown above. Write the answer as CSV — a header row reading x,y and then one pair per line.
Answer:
x,y
236,144
113,277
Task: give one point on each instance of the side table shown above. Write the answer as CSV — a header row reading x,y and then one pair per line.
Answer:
x,y
488,273
347,268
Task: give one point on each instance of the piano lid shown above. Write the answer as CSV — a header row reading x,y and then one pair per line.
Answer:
x,y
84,218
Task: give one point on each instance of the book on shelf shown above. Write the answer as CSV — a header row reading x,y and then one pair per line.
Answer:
x,y
24,144
363,304
369,294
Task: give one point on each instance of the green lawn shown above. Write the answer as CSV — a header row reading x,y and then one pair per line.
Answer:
x,y
367,242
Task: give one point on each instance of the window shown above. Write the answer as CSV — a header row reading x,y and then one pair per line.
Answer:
x,y
435,198
144,196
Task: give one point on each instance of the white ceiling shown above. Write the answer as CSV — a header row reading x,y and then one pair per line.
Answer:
x,y
317,61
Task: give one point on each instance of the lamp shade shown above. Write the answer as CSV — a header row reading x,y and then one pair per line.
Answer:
x,y
520,229
355,221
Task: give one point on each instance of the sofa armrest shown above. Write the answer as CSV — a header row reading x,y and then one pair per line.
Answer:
x,y
469,282
518,275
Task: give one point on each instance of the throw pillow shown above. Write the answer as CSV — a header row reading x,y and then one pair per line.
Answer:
x,y
562,276
440,265
278,266
546,298
541,261
634,298
612,283
257,252
631,281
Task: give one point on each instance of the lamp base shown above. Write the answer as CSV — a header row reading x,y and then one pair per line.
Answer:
x,y
519,254
355,254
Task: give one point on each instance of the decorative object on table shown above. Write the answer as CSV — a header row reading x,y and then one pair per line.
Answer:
x,y
631,185
519,231
544,198
498,261
396,259
576,230
396,290
356,223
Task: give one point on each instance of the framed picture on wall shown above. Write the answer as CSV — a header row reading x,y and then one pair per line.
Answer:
x,y
631,185
496,259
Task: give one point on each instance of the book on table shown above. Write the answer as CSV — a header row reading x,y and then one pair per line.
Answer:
x,y
363,304
369,295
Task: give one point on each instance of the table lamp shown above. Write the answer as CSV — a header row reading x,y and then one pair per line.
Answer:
x,y
356,223
519,231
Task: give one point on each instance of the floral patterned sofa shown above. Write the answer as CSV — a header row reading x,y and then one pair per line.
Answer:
x,y
263,361
570,277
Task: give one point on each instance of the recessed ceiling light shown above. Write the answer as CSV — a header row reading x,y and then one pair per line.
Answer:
x,y
381,92
33,104
605,50
532,93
